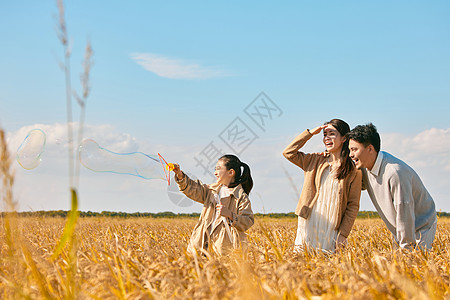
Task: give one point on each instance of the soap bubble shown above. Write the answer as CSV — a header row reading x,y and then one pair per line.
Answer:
x,y
99,159
30,151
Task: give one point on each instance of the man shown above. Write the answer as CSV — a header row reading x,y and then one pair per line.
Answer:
x,y
396,191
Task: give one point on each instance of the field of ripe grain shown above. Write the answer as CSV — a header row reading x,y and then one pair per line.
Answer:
x,y
146,258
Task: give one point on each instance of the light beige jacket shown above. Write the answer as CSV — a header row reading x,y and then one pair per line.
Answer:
x,y
313,165
219,240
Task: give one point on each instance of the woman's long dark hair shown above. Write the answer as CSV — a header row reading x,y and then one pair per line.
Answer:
x,y
347,165
241,177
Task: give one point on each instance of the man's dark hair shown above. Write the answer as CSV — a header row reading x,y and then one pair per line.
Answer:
x,y
366,135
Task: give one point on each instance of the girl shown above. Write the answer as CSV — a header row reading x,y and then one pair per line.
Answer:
x,y
329,201
227,212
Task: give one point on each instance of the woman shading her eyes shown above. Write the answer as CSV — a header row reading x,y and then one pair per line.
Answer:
x,y
329,201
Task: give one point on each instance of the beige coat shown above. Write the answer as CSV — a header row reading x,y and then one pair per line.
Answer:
x,y
313,165
219,240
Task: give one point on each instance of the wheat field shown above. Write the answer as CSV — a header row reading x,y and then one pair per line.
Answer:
x,y
145,258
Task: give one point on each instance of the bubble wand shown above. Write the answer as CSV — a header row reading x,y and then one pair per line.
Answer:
x,y
168,166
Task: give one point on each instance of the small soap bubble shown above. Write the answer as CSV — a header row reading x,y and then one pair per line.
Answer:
x,y
30,151
98,159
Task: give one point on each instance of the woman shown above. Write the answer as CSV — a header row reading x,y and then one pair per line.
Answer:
x,y
329,201
227,212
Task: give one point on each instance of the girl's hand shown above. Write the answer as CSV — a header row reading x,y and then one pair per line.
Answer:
x,y
177,171
317,129
223,211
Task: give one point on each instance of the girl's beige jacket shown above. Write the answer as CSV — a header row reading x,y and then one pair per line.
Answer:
x,y
218,239
313,165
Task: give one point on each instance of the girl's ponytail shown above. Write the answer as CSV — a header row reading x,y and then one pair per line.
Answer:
x,y
246,178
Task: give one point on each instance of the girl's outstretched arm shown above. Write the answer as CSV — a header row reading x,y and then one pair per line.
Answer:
x,y
194,189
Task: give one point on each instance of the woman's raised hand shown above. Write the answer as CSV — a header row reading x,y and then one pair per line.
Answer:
x,y
317,129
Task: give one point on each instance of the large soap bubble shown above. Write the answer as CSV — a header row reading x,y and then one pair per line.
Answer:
x,y
99,159
30,151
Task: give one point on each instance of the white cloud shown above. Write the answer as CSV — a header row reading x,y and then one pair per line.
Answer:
x,y
430,148
175,68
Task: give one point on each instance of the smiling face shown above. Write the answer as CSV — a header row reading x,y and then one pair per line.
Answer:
x,y
362,156
223,175
332,139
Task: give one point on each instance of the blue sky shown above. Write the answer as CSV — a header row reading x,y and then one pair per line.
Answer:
x,y
170,77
